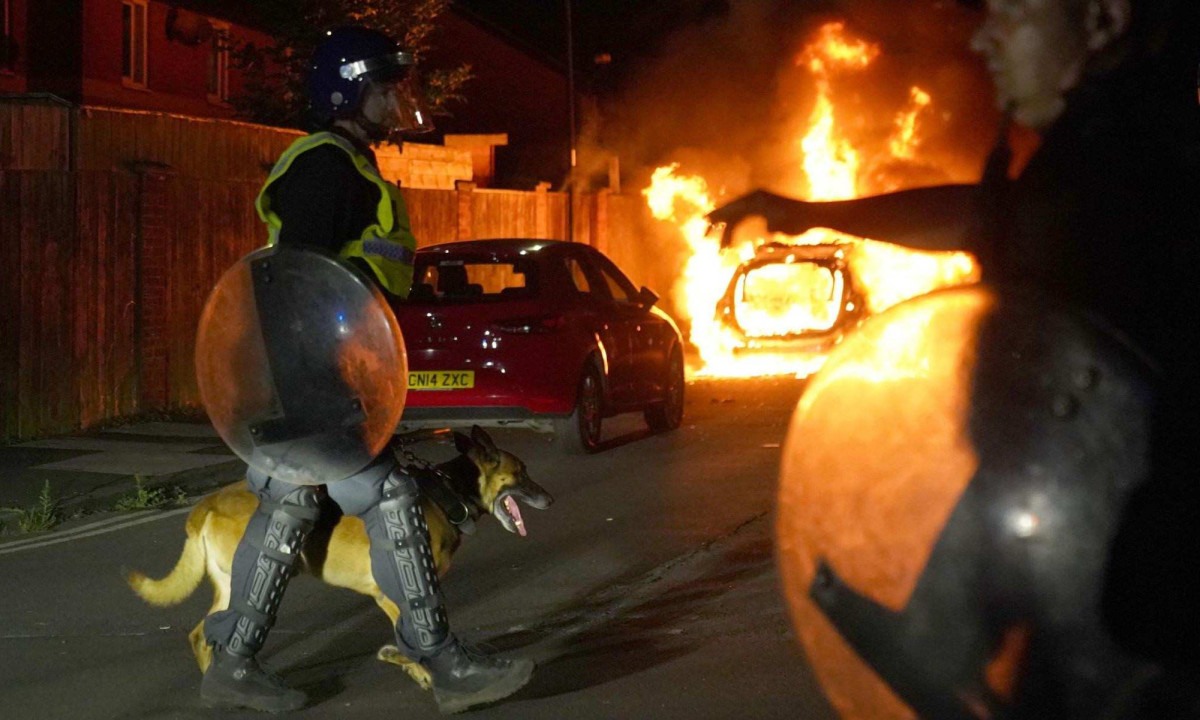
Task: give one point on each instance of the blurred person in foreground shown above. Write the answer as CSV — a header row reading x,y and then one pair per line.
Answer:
x,y
1104,219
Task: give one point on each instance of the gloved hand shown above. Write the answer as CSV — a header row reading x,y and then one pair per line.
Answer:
x,y
783,215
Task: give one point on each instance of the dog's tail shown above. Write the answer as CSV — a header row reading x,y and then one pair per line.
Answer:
x,y
183,579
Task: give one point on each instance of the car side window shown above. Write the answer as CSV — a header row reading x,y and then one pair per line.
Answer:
x,y
618,292
579,277
619,287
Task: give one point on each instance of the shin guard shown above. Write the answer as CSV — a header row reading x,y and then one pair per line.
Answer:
x,y
263,564
403,565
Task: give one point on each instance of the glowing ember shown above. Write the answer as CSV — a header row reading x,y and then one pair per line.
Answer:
x,y
777,303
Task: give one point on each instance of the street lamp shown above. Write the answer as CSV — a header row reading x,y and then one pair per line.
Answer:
x,y
571,122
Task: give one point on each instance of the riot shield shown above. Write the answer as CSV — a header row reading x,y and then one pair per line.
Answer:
x,y
301,365
949,491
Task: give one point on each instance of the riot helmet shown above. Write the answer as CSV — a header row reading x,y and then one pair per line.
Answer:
x,y
363,74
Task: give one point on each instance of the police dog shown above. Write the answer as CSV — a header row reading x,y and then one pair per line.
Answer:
x,y
489,480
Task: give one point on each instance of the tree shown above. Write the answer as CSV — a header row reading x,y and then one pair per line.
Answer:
x,y
274,91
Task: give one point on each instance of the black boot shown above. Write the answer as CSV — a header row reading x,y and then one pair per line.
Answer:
x,y
263,564
233,681
403,566
463,677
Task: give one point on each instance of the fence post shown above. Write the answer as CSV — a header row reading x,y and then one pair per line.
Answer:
x,y
465,190
599,230
150,275
541,210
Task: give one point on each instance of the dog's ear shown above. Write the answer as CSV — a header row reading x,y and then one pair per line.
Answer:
x,y
462,443
480,436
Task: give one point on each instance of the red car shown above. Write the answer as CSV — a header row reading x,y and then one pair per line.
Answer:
x,y
542,334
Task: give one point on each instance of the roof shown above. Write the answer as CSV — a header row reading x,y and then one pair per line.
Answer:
x,y
494,245
253,15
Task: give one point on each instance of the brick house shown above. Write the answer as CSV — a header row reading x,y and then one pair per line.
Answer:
x,y
167,56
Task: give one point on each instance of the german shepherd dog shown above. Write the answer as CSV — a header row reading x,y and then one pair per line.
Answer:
x,y
489,480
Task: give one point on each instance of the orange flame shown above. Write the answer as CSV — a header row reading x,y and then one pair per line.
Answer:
x,y
830,161
785,300
904,142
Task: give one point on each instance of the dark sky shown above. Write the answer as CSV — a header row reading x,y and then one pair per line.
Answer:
x,y
627,31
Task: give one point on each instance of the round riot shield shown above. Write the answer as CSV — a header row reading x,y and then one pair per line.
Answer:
x,y
301,365
950,487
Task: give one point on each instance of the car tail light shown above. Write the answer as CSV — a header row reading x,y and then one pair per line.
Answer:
x,y
533,325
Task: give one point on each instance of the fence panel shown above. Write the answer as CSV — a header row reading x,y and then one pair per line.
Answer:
x,y
37,247
35,135
434,215
216,226
504,213
104,297
42,305
556,214
10,296
193,147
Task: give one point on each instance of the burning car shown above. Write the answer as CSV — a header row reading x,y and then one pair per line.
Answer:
x,y
800,298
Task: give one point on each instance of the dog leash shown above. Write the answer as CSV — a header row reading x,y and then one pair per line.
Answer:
x,y
432,481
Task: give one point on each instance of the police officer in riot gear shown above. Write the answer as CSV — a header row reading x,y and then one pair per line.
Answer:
x,y
326,194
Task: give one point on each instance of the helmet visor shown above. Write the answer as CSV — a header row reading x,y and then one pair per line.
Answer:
x,y
401,103
397,63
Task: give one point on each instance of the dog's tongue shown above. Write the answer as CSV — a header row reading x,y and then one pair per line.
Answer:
x,y
514,511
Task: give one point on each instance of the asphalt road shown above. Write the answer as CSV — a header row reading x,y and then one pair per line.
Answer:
x,y
647,591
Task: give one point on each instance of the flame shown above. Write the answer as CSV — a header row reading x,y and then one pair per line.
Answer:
x,y
833,50
783,300
904,142
830,161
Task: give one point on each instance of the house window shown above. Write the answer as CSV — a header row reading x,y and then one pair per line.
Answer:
x,y
218,63
8,44
133,43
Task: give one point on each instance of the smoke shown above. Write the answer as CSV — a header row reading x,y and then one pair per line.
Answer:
x,y
725,98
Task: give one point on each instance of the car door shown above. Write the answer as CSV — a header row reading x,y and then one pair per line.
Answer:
x,y
635,327
600,311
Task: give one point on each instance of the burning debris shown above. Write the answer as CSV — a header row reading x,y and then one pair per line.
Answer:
x,y
760,306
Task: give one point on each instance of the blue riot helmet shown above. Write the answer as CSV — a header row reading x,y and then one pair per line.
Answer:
x,y
361,73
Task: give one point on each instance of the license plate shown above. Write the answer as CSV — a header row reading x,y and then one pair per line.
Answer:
x,y
441,380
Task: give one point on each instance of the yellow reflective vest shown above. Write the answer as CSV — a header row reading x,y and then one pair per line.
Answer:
x,y
387,246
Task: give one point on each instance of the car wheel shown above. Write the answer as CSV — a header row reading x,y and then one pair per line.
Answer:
x,y
579,432
668,414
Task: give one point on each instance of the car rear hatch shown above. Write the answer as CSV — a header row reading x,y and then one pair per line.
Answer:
x,y
467,322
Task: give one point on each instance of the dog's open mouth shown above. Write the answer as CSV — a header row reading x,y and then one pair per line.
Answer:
x,y
508,511
514,514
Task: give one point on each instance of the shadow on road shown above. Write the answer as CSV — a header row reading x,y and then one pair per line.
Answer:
x,y
621,630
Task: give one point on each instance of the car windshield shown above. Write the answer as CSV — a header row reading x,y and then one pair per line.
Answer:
x,y
446,280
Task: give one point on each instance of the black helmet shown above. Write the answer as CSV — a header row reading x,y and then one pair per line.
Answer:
x,y
348,61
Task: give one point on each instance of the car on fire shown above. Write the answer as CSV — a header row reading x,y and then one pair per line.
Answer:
x,y
792,298
542,334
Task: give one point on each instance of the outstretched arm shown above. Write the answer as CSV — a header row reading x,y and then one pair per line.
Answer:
x,y
930,218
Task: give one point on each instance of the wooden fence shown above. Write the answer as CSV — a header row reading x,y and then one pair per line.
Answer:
x,y
106,272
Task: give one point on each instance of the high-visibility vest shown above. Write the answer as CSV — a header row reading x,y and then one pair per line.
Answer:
x,y
387,246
